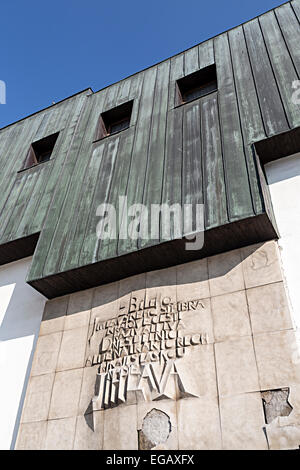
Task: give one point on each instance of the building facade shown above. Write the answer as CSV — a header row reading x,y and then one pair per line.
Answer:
x,y
149,255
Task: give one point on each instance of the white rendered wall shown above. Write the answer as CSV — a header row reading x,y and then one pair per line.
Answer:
x,y
283,176
21,309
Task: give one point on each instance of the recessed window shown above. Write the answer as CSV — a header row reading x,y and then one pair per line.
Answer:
x,y
115,120
196,84
40,151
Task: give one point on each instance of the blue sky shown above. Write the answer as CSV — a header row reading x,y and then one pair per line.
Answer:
x,y
53,49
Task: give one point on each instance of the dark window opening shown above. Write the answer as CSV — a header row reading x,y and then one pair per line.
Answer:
x,y
196,84
40,151
115,120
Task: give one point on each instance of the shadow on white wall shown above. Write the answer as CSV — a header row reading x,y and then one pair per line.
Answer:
x,y
283,177
21,309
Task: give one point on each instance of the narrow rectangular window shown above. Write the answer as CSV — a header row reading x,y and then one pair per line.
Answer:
x,y
40,151
114,120
196,84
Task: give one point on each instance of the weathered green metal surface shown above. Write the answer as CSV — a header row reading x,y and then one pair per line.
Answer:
x,y
198,152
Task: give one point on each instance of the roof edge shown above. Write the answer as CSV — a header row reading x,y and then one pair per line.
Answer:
x,y
195,45
48,107
149,67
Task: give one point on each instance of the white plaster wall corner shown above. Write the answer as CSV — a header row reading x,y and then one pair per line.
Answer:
x,y
21,309
283,177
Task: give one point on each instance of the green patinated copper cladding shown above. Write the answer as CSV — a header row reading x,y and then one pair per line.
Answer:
x,y
201,152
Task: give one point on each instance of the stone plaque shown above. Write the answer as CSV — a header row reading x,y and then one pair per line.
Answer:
x,y
138,353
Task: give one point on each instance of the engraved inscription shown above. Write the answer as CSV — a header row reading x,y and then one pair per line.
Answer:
x,y
139,350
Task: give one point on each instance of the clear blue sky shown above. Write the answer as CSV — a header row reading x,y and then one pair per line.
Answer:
x,y
52,49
